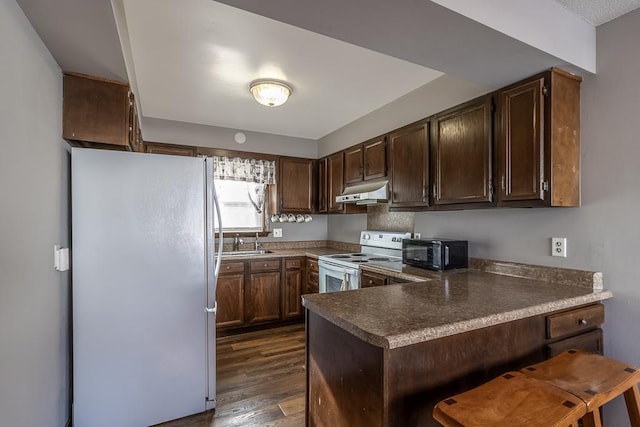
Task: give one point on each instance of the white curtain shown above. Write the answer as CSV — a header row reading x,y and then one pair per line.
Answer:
x,y
250,170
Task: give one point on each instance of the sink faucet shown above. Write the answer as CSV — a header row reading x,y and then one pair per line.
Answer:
x,y
257,243
237,241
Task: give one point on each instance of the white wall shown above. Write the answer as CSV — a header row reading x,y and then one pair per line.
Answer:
x,y
438,95
168,131
34,182
603,234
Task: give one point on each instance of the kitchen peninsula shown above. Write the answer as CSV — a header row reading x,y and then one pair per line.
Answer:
x,y
383,356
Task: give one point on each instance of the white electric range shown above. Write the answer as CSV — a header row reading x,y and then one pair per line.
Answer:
x,y
341,272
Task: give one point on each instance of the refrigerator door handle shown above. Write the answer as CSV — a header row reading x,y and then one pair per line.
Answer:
x,y
213,310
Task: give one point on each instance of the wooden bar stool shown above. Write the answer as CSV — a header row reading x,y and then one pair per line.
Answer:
x,y
512,399
593,378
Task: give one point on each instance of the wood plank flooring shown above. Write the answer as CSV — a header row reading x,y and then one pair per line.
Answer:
x,y
261,381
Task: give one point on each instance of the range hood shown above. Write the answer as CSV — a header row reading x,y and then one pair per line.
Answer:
x,y
365,194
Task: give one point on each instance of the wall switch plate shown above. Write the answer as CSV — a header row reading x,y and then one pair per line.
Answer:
x,y
559,246
277,232
60,258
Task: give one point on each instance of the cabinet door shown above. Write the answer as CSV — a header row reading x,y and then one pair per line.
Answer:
x,y
521,147
263,297
335,183
408,166
170,149
322,186
375,158
230,299
96,111
539,141
292,303
313,279
353,165
295,185
462,154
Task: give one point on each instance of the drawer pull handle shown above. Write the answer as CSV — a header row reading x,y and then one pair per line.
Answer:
x,y
371,281
228,268
265,265
582,321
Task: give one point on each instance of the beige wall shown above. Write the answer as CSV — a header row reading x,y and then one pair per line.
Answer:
x,y
34,182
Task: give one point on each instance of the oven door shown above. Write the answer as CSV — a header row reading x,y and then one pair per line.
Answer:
x,y
335,277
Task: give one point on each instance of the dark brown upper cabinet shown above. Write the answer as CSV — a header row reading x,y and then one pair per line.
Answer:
x,y
539,141
296,185
99,113
170,149
353,165
374,153
322,186
409,167
366,161
335,182
461,153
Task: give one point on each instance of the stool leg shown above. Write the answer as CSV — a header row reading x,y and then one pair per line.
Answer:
x,y
632,399
592,419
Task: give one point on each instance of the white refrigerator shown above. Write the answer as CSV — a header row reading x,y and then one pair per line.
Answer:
x,y
143,287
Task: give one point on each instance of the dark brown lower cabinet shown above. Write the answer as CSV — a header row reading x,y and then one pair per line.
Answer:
x,y
292,302
230,295
313,278
260,293
263,297
369,279
399,387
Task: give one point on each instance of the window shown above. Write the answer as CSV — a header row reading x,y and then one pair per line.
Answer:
x,y
241,185
241,205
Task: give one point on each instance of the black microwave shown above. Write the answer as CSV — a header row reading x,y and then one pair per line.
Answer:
x,y
435,254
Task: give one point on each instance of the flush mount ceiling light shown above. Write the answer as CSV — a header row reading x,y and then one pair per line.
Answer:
x,y
270,92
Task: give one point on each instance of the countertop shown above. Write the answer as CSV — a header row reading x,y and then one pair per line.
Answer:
x,y
311,252
447,303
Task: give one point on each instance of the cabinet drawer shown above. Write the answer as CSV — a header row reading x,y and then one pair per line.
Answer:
x,y
589,341
313,283
575,321
292,264
368,280
265,265
232,267
312,265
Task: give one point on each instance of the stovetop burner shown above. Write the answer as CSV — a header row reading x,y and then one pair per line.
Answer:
x,y
377,248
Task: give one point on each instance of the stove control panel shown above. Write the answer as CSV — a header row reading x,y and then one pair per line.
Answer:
x,y
383,239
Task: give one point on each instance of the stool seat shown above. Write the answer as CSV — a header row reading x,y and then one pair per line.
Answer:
x,y
593,378
511,399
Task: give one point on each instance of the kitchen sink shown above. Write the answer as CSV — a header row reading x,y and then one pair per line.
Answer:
x,y
245,253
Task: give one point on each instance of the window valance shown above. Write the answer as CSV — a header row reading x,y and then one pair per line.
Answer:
x,y
249,170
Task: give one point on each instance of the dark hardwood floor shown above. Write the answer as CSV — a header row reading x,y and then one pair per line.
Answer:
x,y
261,381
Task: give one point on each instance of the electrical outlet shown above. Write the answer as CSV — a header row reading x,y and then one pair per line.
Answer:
x,y
277,232
559,246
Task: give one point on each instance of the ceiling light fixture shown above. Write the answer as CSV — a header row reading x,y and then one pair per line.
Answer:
x,y
270,92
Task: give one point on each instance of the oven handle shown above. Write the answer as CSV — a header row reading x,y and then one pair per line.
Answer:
x,y
338,268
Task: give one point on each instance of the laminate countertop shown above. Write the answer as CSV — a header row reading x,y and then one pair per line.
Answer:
x,y
438,304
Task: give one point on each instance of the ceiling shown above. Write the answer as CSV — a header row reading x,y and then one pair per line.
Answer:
x,y
192,60
195,63
598,12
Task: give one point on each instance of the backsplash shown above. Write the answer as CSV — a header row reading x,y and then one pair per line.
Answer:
x,y
379,218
